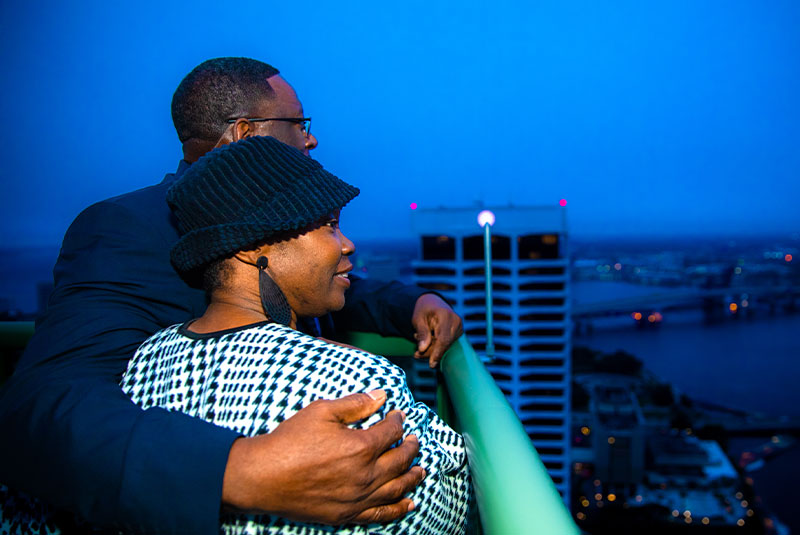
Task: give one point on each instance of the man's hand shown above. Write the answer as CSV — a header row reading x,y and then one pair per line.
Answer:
x,y
437,327
314,468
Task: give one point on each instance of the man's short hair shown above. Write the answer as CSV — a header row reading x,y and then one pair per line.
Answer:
x,y
217,90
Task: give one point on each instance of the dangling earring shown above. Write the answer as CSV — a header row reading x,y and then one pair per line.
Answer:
x,y
272,298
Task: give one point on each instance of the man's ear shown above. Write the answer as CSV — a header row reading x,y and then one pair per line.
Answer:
x,y
242,129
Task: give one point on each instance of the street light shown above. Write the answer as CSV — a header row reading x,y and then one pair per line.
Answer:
x,y
486,220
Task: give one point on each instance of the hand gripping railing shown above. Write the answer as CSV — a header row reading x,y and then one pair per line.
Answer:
x,y
514,492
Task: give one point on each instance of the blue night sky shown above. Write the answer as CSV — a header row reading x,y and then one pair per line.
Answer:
x,y
649,118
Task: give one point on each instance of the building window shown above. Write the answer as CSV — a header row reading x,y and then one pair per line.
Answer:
x,y
543,407
501,247
543,302
546,392
542,332
546,436
437,286
543,363
480,271
481,316
538,246
554,422
542,286
438,248
542,317
434,271
542,271
481,301
542,377
497,286
543,347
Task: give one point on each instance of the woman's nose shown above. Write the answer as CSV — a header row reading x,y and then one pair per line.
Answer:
x,y
348,247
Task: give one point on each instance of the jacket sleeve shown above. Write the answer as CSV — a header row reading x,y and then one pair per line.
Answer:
x,y
70,435
378,307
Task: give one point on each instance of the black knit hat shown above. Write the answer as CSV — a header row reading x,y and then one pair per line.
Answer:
x,y
245,192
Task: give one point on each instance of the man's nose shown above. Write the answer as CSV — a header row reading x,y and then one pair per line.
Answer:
x,y
311,142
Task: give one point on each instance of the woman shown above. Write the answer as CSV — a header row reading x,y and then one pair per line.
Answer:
x,y
260,225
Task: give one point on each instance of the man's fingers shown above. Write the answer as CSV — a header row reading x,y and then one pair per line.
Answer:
x,y
423,337
393,491
448,327
396,461
385,513
437,352
355,407
386,433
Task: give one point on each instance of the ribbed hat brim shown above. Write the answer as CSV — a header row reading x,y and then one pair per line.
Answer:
x,y
245,193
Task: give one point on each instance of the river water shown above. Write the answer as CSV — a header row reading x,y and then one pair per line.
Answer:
x,y
745,363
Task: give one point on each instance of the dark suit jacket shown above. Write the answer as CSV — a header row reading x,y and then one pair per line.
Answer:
x,y
70,435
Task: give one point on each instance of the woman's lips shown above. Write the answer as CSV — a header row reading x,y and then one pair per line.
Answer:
x,y
344,278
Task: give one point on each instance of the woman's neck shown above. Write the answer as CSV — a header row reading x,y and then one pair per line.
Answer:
x,y
229,312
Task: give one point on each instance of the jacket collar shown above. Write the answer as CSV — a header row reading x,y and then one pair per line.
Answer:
x,y
169,178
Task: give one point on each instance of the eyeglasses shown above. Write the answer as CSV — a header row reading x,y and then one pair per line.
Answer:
x,y
304,122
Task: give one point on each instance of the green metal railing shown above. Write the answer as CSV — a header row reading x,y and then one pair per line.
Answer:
x,y
15,334
514,491
515,494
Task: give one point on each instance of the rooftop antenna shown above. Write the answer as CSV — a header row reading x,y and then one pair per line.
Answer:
x,y
486,220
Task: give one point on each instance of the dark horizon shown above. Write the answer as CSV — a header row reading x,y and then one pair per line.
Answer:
x,y
790,237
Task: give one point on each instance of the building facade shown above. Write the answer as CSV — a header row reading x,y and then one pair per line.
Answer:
x,y
530,272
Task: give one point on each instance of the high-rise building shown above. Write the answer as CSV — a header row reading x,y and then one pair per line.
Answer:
x,y
530,280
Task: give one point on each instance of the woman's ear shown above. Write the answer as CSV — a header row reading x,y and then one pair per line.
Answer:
x,y
251,256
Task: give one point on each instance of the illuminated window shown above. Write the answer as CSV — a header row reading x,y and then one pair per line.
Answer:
x,y
438,248
501,247
538,246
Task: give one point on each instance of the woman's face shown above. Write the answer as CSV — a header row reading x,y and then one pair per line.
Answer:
x,y
312,269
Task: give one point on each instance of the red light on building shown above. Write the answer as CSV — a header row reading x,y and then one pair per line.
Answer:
x,y
563,202
413,206
788,258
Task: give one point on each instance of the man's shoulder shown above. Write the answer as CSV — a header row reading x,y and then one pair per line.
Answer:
x,y
144,209
150,198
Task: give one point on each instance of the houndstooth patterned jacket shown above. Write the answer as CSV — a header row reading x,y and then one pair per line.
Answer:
x,y
252,378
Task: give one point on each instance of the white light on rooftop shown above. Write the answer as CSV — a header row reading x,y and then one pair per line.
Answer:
x,y
486,217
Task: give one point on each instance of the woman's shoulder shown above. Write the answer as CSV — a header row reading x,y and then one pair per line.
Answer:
x,y
335,349
160,337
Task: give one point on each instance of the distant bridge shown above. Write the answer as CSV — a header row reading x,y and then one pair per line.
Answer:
x,y
684,298
759,428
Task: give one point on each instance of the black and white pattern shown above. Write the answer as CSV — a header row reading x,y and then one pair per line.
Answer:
x,y
251,379
20,513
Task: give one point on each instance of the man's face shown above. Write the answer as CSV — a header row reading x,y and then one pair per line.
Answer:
x,y
285,104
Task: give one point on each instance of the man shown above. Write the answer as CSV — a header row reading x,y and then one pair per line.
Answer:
x,y
73,438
